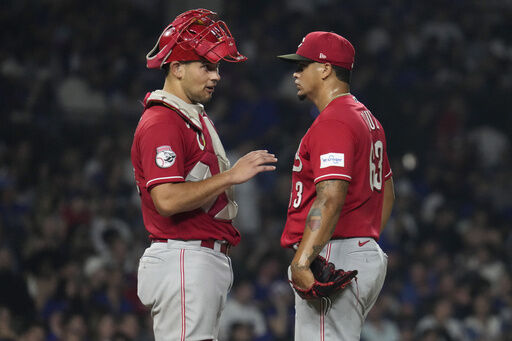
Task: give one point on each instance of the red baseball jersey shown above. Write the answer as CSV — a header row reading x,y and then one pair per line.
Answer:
x,y
168,147
345,142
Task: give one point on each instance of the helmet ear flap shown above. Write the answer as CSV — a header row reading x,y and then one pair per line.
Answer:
x,y
162,49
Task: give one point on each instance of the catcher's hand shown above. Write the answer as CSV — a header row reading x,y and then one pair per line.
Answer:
x,y
328,280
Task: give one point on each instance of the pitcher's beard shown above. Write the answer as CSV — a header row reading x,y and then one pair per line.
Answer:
x,y
301,97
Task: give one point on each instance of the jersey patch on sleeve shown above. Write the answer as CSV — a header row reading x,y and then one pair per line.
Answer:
x,y
165,157
332,160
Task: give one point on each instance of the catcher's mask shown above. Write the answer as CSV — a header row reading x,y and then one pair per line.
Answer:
x,y
194,35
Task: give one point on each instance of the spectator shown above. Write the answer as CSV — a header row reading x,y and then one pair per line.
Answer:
x,y
280,313
105,328
440,323
241,332
241,308
482,324
378,327
15,297
6,331
129,327
74,327
35,332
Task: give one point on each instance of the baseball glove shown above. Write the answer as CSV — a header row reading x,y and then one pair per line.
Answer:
x,y
328,280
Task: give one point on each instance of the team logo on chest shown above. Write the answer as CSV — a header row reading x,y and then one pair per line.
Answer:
x,y
165,157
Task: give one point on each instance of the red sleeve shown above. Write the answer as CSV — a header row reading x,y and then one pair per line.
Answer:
x,y
162,154
332,147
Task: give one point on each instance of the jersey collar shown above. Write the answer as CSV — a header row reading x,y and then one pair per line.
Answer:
x,y
191,111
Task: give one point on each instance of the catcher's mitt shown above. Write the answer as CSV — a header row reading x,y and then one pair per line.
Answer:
x,y
328,279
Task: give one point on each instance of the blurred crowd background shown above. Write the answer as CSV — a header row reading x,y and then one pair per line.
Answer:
x,y
437,74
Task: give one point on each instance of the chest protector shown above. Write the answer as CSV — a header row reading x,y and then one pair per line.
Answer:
x,y
222,207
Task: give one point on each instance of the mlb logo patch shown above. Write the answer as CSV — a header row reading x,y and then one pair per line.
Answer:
x,y
332,160
165,157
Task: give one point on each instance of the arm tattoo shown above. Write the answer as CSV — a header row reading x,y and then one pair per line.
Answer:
x,y
314,219
299,267
330,193
316,251
337,187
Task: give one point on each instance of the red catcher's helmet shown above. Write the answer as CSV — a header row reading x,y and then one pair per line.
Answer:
x,y
194,35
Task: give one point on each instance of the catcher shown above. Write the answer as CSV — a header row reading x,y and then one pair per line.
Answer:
x,y
185,182
342,196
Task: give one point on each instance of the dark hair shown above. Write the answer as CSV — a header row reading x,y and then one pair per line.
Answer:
x,y
342,74
165,67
